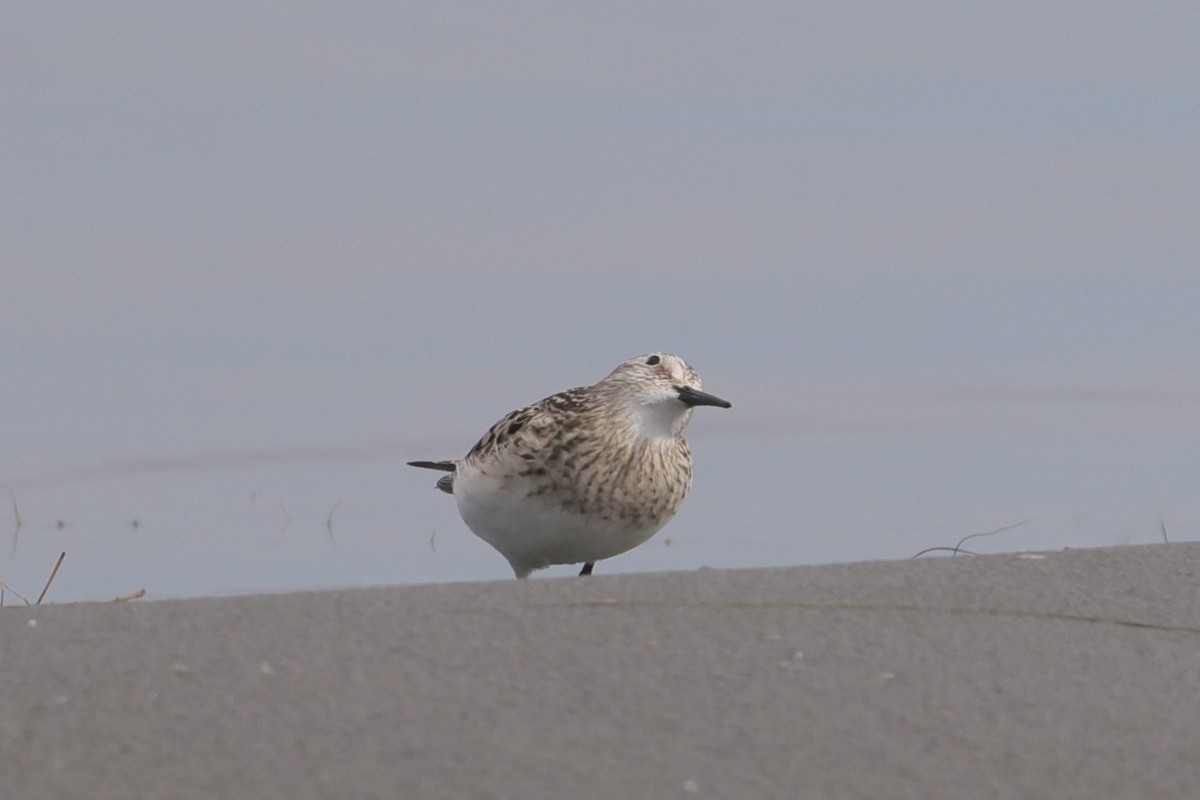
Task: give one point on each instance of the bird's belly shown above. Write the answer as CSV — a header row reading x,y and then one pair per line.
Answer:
x,y
536,530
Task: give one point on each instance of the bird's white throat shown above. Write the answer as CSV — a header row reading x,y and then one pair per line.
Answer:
x,y
661,419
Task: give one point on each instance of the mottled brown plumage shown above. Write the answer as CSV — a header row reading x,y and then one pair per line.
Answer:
x,y
584,474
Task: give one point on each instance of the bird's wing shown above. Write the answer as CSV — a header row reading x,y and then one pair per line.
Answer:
x,y
518,435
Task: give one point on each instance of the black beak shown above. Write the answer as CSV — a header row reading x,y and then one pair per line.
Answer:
x,y
694,397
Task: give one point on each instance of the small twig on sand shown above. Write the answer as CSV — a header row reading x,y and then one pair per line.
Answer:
x,y
50,580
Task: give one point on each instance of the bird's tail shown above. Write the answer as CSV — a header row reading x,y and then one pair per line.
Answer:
x,y
444,466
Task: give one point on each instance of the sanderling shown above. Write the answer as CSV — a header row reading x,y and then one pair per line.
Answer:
x,y
584,474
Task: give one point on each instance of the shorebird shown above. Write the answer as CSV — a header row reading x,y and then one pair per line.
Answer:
x,y
584,474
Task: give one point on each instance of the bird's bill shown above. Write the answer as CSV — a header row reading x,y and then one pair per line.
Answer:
x,y
694,397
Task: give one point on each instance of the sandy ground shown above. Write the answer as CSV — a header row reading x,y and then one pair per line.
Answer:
x,y
1068,675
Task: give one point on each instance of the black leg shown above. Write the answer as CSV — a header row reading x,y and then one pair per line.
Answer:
x,y
587,568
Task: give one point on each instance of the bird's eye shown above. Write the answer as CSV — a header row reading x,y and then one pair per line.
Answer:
x,y
652,361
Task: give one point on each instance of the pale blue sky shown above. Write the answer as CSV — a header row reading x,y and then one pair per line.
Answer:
x,y
942,257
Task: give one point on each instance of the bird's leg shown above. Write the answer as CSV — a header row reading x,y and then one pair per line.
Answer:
x,y
587,568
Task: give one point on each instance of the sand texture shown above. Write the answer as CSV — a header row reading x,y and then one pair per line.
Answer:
x,y
1073,675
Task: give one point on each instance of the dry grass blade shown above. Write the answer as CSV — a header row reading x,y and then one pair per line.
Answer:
x,y
329,525
991,533
958,547
4,587
138,595
18,523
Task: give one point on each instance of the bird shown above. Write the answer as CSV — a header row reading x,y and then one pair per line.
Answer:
x,y
584,474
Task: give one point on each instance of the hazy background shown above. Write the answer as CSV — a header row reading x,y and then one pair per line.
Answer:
x,y
942,257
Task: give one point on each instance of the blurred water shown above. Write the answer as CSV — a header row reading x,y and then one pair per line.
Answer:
x,y
856,472
943,264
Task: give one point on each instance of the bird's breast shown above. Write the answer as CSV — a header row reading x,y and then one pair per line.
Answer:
x,y
635,485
